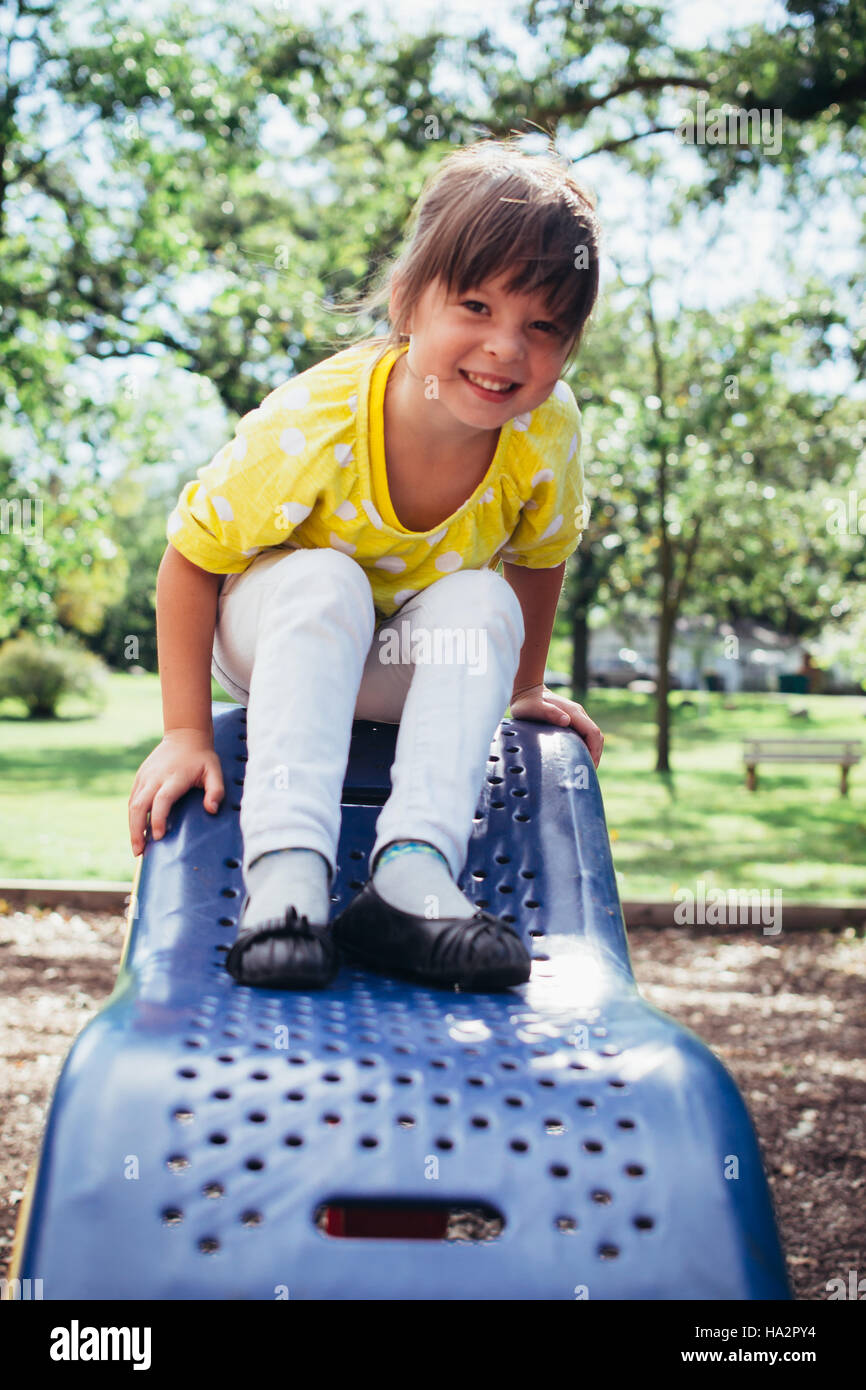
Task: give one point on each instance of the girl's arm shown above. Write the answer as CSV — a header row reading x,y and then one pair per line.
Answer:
x,y
186,608
538,592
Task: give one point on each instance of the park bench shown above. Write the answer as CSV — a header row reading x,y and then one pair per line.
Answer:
x,y
845,752
379,1139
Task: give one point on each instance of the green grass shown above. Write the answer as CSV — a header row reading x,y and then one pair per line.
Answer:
x,y
699,822
65,785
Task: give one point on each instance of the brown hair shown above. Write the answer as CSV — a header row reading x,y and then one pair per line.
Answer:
x,y
487,209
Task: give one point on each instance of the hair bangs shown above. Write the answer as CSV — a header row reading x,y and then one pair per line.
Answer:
x,y
536,242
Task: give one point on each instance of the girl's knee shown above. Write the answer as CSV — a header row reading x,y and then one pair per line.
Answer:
x,y
323,573
479,598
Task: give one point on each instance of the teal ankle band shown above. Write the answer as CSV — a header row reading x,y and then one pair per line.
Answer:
x,y
408,847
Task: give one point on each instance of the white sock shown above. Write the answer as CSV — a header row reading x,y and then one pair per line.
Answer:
x,y
414,876
284,878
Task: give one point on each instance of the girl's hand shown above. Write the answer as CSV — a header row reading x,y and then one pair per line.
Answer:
x,y
185,758
540,703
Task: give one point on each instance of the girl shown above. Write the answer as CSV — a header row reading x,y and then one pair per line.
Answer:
x,y
331,560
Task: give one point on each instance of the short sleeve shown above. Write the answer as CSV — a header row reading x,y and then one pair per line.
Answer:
x,y
555,515
252,495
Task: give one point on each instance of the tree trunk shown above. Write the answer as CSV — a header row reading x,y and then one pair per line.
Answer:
x,y
663,651
579,654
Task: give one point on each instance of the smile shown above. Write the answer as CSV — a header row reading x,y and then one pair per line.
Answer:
x,y
492,384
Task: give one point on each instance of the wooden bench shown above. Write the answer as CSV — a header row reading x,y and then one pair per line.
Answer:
x,y
845,752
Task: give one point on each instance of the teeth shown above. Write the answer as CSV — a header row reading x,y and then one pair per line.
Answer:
x,y
488,384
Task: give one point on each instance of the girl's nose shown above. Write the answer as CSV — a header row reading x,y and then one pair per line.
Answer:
x,y
505,345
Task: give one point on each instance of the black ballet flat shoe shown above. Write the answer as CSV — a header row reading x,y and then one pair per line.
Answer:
x,y
284,953
480,952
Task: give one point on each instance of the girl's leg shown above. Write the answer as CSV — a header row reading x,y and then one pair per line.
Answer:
x,y
463,635
296,636
293,637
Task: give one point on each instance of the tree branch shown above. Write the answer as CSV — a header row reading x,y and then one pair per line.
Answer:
x,y
573,104
609,145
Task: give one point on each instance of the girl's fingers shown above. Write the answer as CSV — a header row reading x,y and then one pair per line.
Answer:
x,y
171,789
591,735
594,744
213,788
158,802
139,805
588,730
563,712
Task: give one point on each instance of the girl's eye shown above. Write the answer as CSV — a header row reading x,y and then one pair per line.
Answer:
x,y
550,329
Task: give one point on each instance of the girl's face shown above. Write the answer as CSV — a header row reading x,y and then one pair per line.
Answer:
x,y
491,354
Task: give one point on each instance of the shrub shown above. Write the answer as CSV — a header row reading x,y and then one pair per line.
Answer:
x,y
41,673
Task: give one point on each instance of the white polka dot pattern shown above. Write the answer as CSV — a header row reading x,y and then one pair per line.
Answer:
x,y
337,543
450,561
295,512
552,529
295,397
293,441
374,516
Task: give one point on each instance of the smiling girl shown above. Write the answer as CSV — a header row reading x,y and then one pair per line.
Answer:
x,y
377,493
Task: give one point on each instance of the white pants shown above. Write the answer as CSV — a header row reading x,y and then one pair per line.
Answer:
x,y
296,641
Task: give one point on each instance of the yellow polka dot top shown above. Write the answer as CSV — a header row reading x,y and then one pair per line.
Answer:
x,y
306,469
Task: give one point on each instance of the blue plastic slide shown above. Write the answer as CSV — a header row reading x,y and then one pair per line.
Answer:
x,y
382,1140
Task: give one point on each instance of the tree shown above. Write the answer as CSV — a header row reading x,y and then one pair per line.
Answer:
x,y
207,245
718,471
